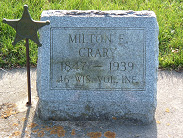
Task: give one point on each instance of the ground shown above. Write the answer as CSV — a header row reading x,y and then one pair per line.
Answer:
x,y
18,120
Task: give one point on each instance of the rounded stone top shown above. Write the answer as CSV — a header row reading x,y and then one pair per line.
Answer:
x,y
98,13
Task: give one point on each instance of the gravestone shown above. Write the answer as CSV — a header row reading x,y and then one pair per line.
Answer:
x,y
98,65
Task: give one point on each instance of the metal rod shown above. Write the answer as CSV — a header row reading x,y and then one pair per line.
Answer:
x,y
28,73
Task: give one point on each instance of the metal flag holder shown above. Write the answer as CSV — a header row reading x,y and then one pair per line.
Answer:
x,y
26,28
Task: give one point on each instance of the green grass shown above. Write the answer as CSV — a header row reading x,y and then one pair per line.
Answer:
x,y
169,15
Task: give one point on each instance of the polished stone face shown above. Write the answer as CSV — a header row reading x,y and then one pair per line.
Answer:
x,y
97,65
97,58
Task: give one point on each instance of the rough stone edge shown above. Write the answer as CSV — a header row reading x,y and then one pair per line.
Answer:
x,y
98,13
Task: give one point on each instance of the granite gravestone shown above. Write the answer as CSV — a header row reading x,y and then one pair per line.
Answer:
x,y
98,65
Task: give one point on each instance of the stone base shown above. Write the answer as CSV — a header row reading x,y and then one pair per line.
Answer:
x,y
98,111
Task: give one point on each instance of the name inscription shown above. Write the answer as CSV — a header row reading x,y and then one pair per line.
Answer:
x,y
97,58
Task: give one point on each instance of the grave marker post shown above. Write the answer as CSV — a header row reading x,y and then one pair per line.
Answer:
x,y
26,28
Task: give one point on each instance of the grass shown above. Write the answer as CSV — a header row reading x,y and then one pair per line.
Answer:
x,y
169,15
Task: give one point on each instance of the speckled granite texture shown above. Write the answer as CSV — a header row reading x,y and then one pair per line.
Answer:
x,y
98,65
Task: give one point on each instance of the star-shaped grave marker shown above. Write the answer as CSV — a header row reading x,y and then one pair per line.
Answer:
x,y
26,28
